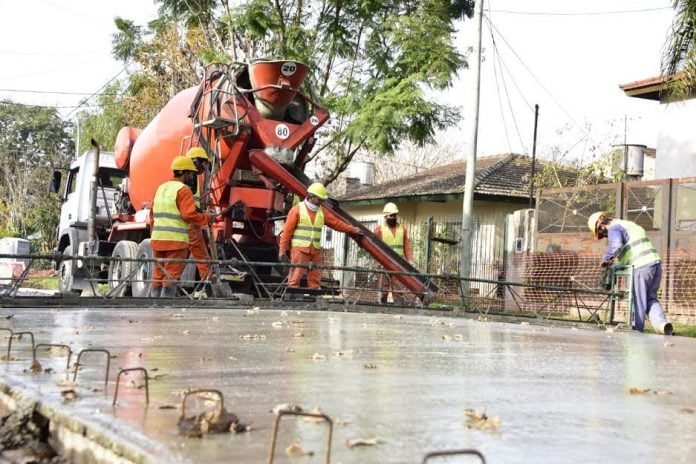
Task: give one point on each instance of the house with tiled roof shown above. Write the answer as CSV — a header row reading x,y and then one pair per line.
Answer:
x,y
430,205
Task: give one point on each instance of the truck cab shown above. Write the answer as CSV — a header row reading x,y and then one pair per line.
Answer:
x,y
71,234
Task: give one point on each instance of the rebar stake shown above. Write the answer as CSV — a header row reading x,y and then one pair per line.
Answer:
x,y
132,369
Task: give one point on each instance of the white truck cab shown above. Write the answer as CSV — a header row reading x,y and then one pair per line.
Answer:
x,y
71,234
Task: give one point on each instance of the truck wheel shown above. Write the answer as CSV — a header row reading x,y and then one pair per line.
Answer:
x,y
143,274
66,272
120,271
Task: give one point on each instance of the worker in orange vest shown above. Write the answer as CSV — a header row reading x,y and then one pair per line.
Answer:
x,y
396,237
173,210
302,235
197,245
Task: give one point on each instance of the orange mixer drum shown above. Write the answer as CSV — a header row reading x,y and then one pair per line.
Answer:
x,y
285,77
124,145
156,147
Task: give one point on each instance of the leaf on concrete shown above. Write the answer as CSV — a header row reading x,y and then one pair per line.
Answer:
x,y
65,383
318,357
687,411
69,395
339,421
166,406
296,451
638,391
362,442
286,407
480,421
36,366
315,419
370,366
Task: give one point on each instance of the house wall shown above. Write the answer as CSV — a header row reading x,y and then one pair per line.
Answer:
x,y
676,141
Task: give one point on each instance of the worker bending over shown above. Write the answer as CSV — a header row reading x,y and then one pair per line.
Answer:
x,y
173,211
629,244
197,245
396,237
302,235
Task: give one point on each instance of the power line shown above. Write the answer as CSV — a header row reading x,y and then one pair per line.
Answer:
x,y
500,100
548,92
101,88
585,13
58,107
52,92
23,53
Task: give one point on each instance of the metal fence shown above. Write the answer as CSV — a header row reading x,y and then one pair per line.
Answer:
x,y
372,286
665,208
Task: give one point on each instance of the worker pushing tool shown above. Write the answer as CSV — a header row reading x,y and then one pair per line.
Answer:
x,y
197,245
630,245
301,236
173,211
396,236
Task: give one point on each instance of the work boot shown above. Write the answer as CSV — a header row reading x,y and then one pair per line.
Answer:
x,y
155,292
665,328
168,292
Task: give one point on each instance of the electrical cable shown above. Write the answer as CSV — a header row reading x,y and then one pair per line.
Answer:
x,y
497,31
587,13
507,94
500,100
52,92
101,88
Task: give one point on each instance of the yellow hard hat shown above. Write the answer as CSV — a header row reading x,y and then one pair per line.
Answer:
x,y
183,163
197,152
594,219
390,208
318,190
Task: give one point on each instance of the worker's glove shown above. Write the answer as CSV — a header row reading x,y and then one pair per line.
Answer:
x,y
358,233
283,258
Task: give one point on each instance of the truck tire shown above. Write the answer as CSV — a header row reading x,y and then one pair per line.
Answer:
x,y
121,270
141,283
66,272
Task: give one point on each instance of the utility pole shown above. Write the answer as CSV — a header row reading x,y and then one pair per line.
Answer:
x,y
468,206
531,178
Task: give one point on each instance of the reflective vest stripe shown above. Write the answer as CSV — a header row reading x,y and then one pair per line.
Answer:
x,y
307,234
394,241
639,250
168,224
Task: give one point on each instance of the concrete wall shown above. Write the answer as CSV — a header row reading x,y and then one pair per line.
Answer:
x,y
676,140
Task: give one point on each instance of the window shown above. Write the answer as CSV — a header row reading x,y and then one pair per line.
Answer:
x,y
72,181
110,177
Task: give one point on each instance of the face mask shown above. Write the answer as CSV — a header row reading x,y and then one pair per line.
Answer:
x,y
391,222
192,183
312,206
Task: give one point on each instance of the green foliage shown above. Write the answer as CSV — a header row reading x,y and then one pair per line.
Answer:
x,y
103,124
371,62
32,141
679,56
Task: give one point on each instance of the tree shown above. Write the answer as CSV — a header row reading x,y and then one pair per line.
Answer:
x,y
371,62
32,141
104,123
679,57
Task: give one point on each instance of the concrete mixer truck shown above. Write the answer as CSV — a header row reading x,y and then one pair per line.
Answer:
x,y
258,124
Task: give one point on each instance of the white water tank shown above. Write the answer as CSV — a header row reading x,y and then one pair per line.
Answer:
x,y
363,170
635,160
15,246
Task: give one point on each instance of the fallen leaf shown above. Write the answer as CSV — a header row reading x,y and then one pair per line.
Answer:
x,y
158,376
277,324
185,332
339,421
36,366
65,383
296,451
286,407
166,406
638,391
362,442
11,358
667,344
298,335
69,395
480,421
445,337
97,390
687,411
48,370
132,384
662,392
458,336
318,357
370,366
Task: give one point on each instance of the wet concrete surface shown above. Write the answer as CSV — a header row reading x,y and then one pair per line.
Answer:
x,y
561,395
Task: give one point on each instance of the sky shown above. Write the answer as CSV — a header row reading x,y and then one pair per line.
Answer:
x,y
567,57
